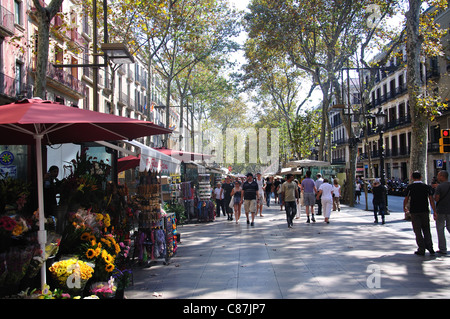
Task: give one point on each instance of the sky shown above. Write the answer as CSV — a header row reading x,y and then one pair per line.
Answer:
x,y
239,57
316,98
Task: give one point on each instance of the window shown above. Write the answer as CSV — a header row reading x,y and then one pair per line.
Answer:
x,y
1,54
18,12
19,77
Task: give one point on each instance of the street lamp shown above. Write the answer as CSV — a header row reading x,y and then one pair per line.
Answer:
x,y
381,126
117,53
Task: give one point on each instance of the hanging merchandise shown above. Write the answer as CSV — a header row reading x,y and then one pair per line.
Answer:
x,y
204,187
187,192
205,207
154,239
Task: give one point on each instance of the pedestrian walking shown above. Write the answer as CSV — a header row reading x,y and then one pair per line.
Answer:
x,y
309,191
237,200
301,202
379,201
418,194
269,189
442,212
260,200
336,195
280,199
358,190
218,197
227,188
318,182
290,196
276,185
250,195
325,194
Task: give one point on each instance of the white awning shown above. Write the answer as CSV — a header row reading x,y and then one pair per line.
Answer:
x,y
150,159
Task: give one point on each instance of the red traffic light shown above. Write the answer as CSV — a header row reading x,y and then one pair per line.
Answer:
x,y
445,133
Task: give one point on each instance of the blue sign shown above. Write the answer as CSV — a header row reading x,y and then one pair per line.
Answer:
x,y
6,158
11,171
439,163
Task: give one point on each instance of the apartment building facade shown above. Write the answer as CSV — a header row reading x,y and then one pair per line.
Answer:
x,y
390,96
14,50
136,92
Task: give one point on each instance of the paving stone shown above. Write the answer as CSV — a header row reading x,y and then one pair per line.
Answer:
x,y
340,260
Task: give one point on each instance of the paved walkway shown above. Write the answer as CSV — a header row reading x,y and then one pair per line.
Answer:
x,y
349,258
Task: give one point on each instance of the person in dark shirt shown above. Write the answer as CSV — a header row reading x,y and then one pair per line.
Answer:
x,y
268,189
418,195
442,212
379,201
251,193
227,188
276,184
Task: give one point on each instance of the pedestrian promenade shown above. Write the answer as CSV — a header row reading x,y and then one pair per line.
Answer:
x,y
349,258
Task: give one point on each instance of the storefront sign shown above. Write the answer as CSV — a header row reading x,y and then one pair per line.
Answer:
x,y
6,158
11,171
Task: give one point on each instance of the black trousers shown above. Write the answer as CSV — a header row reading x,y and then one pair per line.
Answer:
x,y
421,228
220,206
379,208
291,211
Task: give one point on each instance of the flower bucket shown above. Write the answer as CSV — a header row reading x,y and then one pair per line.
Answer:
x,y
104,290
71,275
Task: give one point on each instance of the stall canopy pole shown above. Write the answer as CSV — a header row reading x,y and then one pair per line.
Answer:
x,y
42,234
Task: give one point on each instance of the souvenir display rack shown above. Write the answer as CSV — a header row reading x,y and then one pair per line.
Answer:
x,y
204,187
175,188
154,238
205,207
188,194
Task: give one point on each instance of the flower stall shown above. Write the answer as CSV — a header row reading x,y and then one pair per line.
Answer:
x,y
87,243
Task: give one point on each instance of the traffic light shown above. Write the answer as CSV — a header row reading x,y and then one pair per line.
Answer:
x,y
444,141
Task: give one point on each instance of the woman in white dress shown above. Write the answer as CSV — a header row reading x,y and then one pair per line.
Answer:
x,y
326,191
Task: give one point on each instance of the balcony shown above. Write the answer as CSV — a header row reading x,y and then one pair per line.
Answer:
x,y
130,75
397,152
340,141
11,90
340,160
393,94
67,79
123,98
433,148
76,38
6,22
63,81
402,120
7,86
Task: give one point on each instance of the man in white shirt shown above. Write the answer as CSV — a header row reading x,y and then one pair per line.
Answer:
x,y
319,182
219,196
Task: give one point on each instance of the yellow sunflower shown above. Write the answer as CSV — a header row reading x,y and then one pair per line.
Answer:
x,y
109,267
85,236
90,253
108,258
